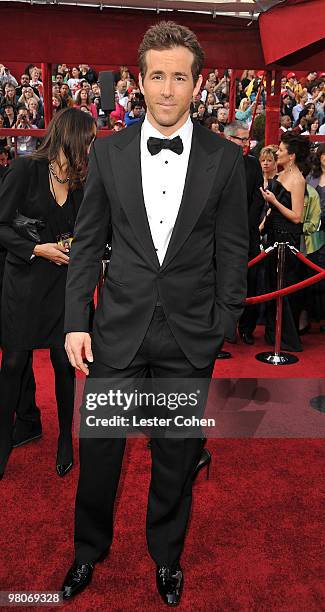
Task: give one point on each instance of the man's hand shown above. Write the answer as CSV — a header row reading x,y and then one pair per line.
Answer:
x,y
77,344
52,251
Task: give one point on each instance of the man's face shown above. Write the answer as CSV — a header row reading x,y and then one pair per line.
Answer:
x,y
85,85
241,138
59,78
64,89
56,90
24,79
95,89
168,87
137,111
286,122
121,87
222,115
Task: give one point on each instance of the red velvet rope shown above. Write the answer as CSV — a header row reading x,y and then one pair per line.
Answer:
x,y
258,258
308,263
286,290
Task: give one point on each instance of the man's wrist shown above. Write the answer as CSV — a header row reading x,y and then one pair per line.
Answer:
x,y
37,249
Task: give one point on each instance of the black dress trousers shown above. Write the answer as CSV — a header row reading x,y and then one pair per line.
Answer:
x,y
173,461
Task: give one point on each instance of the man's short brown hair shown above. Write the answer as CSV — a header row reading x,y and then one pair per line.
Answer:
x,y
167,35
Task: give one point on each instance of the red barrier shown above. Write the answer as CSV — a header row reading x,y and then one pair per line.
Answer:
x,y
286,291
259,299
260,257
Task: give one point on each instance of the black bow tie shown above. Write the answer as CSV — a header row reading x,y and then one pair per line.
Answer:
x,y
155,145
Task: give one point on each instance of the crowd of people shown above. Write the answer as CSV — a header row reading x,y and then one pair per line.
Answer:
x,y
301,114
21,101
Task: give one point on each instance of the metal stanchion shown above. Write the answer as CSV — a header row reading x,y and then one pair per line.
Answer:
x,y
276,357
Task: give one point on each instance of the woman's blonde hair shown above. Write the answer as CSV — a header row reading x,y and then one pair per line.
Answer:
x,y
269,151
241,104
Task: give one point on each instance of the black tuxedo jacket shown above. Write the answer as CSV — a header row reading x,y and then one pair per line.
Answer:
x,y
202,280
255,201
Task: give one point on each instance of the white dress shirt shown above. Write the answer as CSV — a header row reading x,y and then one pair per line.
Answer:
x,y
163,180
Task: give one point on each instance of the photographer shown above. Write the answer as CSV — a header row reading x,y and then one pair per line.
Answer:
x,y
25,144
6,77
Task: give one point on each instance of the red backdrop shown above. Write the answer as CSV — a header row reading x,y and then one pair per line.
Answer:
x,y
50,33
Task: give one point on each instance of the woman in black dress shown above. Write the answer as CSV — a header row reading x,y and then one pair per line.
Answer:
x,y
46,186
285,195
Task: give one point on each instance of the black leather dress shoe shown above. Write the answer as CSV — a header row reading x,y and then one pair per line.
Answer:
x,y
247,337
77,578
223,355
170,584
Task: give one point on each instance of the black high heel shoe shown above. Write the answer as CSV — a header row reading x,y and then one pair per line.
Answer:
x,y
64,458
205,460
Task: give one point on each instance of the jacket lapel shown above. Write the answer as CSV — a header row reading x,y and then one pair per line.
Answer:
x,y
204,161
126,165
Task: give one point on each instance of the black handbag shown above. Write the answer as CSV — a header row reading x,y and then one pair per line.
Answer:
x,y
27,227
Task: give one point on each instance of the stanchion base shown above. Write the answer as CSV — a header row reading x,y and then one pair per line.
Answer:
x,y
279,359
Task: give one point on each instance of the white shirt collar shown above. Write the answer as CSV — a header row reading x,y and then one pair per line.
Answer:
x,y
148,130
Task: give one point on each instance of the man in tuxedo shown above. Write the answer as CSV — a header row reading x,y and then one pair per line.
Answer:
x,y
238,132
174,289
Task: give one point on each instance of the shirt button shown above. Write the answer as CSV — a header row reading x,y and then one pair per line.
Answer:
x,y
164,192
166,162
160,221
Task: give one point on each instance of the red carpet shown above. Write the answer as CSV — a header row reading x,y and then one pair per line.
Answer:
x,y
256,536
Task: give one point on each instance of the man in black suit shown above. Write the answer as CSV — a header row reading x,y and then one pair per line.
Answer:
x,y
175,288
238,132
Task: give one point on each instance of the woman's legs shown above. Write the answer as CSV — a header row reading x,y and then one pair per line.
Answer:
x,y
14,364
64,391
